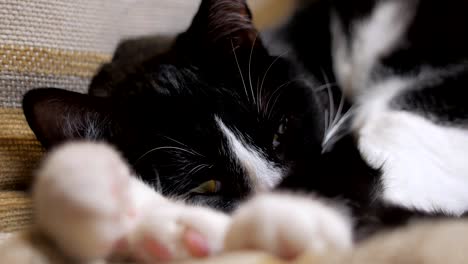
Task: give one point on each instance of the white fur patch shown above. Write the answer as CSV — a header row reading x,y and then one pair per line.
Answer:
x,y
372,38
424,164
263,174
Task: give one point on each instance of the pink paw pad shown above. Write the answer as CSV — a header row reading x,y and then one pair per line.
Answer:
x,y
155,250
196,244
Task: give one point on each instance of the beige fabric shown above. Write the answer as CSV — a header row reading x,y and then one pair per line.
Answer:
x,y
428,243
89,25
15,211
19,152
62,43
13,85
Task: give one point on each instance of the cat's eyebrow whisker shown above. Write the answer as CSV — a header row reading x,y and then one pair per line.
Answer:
x,y
240,70
198,168
164,148
188,148
268,110
257,95
267,105
250,72
274,104
266,74
326,119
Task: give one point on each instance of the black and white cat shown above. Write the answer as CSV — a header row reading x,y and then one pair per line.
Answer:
x,y
365,107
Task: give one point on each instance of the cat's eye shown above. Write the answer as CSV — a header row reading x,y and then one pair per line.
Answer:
x,y
208,187
279,133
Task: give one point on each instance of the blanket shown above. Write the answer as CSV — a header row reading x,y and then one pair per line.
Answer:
x,y
437,242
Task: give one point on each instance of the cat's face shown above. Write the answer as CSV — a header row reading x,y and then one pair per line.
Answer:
x,y
212,119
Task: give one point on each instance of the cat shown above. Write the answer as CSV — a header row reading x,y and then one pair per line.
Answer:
x,y
355,113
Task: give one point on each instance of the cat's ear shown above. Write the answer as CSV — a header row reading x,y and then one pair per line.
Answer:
x,y
222,26
56,115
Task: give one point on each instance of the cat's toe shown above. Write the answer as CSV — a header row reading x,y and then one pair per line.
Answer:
x,y
175,232
82,198
288,226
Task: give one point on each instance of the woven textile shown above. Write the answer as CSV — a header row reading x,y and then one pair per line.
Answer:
x,y
15,211
62,43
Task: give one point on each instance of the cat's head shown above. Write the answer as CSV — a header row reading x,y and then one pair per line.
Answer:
x,y
212,118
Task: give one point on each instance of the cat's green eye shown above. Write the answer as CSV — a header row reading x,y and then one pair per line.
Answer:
x,y
207,187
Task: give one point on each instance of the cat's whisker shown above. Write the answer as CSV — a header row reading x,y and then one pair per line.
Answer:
x,y
257,95
333,135
331,102
182,181
274,104
327,118
250,71
326,125
324,86
188,148
198,168
271,97
266,74
339,112
332,129
240,70
268,109
163,148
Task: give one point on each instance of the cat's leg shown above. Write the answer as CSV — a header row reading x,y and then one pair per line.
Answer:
x,y
288,225
88,203
82,200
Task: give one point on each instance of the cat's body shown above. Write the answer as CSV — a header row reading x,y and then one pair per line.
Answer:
x,y
217,117
402,67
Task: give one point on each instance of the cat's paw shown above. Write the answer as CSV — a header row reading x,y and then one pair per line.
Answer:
x,y
288,225
83,200
174,231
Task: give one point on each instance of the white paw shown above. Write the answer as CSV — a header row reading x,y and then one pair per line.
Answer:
x,y
288,225
82,199
88,202
174,231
